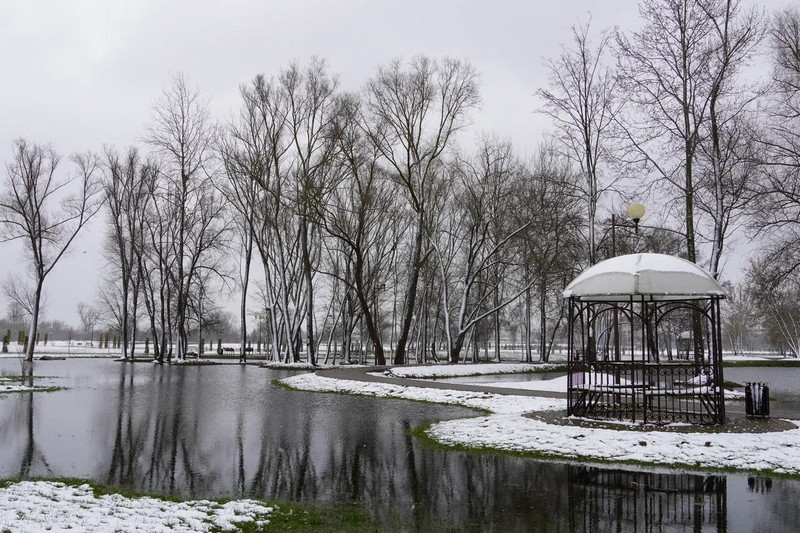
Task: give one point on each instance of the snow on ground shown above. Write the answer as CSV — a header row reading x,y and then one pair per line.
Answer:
x,y
452,371
45,505
505,428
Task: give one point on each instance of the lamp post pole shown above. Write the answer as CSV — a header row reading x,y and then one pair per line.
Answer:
x,y
635,212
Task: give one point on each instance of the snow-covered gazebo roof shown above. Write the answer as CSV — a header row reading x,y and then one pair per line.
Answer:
x,y
655,276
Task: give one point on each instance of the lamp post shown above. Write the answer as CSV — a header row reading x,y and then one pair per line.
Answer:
x,y
635,212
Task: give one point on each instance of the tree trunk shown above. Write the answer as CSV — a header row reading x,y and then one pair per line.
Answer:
x,y
411,293
248,257
543,322
497,324
527,331
309,282
27,364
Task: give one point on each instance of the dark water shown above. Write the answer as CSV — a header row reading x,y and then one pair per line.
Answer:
x,y
784,384
225,431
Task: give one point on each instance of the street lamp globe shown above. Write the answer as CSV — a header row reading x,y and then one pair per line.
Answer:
x,y
636,212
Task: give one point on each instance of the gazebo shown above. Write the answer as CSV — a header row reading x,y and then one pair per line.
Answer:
x,y
628,355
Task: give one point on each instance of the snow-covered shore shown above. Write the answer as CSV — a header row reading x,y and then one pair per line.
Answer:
x,y
506,428
46,505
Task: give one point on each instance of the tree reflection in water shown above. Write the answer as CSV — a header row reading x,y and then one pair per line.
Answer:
x,y
227,432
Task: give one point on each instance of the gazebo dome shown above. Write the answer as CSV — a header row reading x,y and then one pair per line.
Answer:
x,y
657,277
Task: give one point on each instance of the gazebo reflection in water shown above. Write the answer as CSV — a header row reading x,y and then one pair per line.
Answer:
x,y
628,355
618,500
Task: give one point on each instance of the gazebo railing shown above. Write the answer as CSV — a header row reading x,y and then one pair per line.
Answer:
x,y
638,383
656,393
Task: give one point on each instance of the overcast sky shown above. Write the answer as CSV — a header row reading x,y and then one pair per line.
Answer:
x,y
84,74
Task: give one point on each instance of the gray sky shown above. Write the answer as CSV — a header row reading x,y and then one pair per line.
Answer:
x,y
84,74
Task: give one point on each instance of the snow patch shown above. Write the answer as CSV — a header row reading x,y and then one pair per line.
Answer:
x,y
45,505
451,371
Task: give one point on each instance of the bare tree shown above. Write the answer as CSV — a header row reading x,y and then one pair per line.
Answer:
x,y
156,261
412,115
16,312
729,142
739,313
126,185
89,316
40,209
181,134
312,113
549,247
243,158
583,101
258,163
358,219
777,208
472,246
665,71
776,297
681,75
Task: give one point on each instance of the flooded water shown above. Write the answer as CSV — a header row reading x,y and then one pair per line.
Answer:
x,y
227,432
784,384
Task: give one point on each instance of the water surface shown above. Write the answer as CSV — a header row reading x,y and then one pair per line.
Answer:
x,y
226,431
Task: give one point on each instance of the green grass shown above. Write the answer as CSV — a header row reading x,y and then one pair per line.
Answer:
x,y
323,519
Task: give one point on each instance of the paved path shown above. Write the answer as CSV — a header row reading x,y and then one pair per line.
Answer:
x,y
373,374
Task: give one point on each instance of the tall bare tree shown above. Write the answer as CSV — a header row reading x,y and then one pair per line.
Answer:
x,y
472,246
126,197
90,316
259,163
729,143
238,160
156,260
413,113
311,119
665,70
582,99
39,208
681,74
549,247
777,208
181,133
358,219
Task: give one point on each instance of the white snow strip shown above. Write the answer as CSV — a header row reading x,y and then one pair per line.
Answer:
x,y
449,371
506,429
54,506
